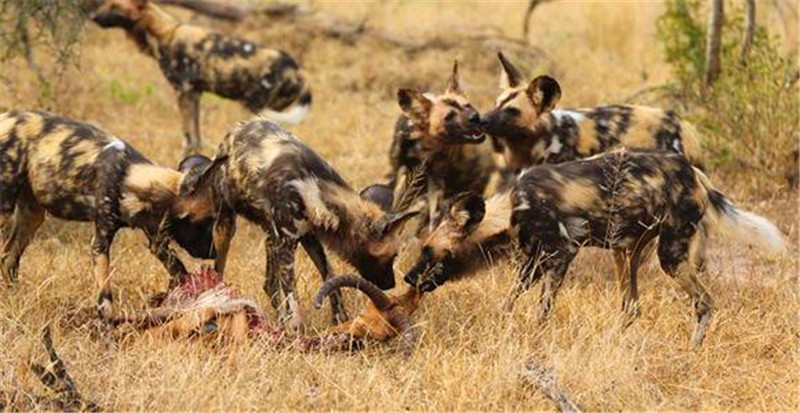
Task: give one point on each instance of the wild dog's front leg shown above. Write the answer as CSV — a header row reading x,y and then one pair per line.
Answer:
x,y
317,254
224,229
554,265
159,246
101,245
527,275
280,272
189,104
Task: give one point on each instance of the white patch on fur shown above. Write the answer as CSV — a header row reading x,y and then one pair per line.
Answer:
x,y
429,96
560,114
293,116
247,48
316,210
115,144
524,205
563,230
266,83
555,145
677,145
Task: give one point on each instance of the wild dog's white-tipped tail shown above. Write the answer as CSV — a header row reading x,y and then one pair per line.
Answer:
x,y
294,115
742,226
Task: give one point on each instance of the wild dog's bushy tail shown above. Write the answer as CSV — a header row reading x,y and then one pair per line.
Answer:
x,y
295,113
745,227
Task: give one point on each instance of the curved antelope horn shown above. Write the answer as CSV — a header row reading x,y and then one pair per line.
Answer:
x,y
374,293
402,323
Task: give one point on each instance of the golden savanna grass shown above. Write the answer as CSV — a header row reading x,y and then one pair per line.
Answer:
x,y
470,354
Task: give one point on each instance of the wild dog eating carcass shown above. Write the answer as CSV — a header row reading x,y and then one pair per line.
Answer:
x,y
384,318
532,131
446,130
195,60
202,306
619,200
275,181
78,172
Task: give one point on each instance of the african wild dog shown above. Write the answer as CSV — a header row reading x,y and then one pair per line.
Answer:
x,y
473,235
195,60
275,181
619,200
533,132
78,172
446,129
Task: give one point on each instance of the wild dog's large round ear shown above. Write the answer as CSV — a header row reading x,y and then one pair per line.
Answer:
x,y
544,92
199,175
454,83
393,223
380,194
510,76
467,210
414,103
193,161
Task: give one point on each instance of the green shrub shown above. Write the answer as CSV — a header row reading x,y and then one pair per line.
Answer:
x,y
749,116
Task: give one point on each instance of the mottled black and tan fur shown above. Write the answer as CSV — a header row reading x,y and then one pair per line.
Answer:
x,y
77,172
275,181
618,200
196,60
445,128
533,132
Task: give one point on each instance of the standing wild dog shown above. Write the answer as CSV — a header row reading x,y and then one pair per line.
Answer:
x,y
532,131
77,172
446,129
275,181
619,200
195,60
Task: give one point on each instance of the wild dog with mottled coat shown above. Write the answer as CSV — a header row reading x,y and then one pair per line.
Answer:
x,y
445,128
619,200
532,131
196,60
78,172
275,181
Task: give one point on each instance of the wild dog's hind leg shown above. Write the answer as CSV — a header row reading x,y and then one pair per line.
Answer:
x,y
677,256
317,254
28,217
189,105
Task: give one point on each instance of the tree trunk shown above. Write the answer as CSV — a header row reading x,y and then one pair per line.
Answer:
x,y
749,29
713,40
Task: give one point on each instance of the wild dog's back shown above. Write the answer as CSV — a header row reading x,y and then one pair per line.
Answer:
x,y
52,156
607,200
269,167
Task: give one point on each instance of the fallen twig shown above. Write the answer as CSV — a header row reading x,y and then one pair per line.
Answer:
x,y
538,376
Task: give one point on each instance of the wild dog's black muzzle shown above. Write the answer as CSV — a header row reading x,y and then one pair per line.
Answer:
x,y
425,274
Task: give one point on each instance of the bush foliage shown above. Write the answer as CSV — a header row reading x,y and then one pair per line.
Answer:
x,y
750,115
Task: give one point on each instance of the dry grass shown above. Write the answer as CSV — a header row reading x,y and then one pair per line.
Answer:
x,y
470,353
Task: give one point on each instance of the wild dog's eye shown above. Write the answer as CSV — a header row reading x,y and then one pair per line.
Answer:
x,y
450,116
512,112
